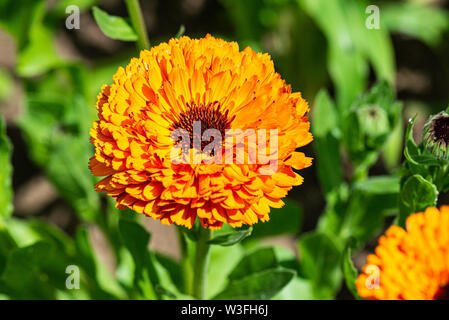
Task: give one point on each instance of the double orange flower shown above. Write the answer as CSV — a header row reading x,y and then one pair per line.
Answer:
x,y
171,86
410,264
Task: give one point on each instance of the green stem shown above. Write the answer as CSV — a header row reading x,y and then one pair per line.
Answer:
x,y
201,262
135,14
186,265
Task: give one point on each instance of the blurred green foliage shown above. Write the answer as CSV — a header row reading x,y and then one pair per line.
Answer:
x,y
321,47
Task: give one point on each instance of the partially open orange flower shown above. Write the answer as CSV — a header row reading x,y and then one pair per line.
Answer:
x,y
172,86
411,264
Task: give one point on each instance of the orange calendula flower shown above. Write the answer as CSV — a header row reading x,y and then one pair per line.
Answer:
x,y
199,84
411,264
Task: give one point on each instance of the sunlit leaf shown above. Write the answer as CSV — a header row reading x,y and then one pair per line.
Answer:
x,y
262,285
297,289
222,262
114,27
39,55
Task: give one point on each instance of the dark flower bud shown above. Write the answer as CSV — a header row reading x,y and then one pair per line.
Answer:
x,y
436,135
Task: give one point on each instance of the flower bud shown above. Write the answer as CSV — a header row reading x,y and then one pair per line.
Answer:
x,y
436,135
374,124
374,120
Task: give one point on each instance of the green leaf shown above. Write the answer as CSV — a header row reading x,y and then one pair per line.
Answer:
x,y
329,162
114,27
297,289
222,261
231,238
39,55
150,276
181,31
72,178
349,271
52,234
173,268
18,17
324,116
5,173
353,137
411,149
416,195
320,262
85,251
23,273
125,269
25,21
418,158
347,66
285,220
379,185
325,128
7,244
56,120
100,281
426,23
351,46
48,273
365,214
166,287
20,231
136,239
262,285
393,147
375,44
257,261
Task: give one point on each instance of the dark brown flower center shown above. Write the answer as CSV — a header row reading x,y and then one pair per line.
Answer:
x,y
443,293
441,129
207,117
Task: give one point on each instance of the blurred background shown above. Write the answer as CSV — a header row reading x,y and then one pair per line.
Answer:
x,y
50,76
